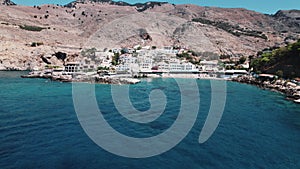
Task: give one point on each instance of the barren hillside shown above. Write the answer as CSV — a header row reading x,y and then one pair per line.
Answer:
x,y
108,24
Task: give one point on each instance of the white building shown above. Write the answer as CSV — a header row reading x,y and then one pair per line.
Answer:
x,y
169,50
123,68
234,73
127,59
104,58
127,63
209,66
145,63
183,67
72,67
176,66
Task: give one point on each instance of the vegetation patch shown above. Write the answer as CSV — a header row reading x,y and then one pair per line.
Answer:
x,y
35,44
89,53
31,28
235,30
190,57
284,61
115,59
60,55
103,68
52,67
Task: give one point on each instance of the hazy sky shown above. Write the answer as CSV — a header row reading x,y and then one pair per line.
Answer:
x,y
264,6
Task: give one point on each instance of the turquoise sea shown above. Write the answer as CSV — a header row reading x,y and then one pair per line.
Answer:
x,y
39,128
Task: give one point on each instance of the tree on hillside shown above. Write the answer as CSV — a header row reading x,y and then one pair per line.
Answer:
x,y
242,60
90,53
279,73
115,59
284,61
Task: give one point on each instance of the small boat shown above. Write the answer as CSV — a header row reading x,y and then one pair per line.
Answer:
x,y
297,101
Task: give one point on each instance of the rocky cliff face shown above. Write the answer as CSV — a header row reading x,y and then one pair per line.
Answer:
x,y
28,34
7,2
289,18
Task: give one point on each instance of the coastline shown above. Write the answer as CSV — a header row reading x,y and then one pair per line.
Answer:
x,y
106,78
289,89
91,78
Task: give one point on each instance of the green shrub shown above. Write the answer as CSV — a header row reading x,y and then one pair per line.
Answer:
x,y
31,28
279,73
52,67
115,59
183,55
242,60
103,68
35,44
284,61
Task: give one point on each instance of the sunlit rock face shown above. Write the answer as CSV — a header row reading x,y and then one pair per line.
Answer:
x,y
109,24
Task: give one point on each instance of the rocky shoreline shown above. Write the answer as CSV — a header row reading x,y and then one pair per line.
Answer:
x,y
290,89
91,78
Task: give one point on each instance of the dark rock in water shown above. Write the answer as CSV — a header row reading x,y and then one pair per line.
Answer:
x,y
44,75
12,69
81,78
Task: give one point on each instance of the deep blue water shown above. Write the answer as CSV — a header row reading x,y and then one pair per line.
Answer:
x,y
39,128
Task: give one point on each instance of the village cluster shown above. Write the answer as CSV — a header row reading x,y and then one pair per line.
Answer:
x,y
147,60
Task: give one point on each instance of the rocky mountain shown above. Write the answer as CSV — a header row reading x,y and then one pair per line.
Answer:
x,y
29,35
7,2
289,18
140,7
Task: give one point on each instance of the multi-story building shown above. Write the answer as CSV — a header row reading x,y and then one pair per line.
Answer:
x,y
72,67
127,63
209,66
175,65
